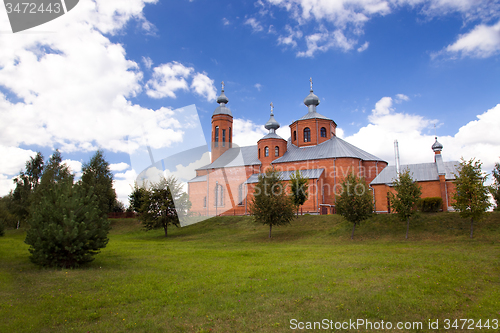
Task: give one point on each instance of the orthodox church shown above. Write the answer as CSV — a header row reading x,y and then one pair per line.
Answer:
x,y
226,185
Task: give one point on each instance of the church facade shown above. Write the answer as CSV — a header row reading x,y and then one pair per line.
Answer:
x,y
226,185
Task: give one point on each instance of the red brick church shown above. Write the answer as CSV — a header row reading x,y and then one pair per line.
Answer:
x,y
226,185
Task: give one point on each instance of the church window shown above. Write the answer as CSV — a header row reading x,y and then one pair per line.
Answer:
x,y
230,137
307,134
323,132
223,138
219,196
205,202
276,151
294,135
259,152
266,151
216,139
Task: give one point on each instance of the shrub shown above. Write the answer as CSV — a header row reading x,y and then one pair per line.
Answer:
x,y
430,205
2,232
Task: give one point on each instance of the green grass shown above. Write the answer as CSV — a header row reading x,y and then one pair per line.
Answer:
x,y
224,275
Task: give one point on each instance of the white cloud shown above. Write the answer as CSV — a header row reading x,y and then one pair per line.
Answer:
x,y
119,166
246,132
349,17
363,47
204,86
167,79
476,139
258,86
75,167
290,39
225,21
123,183
323,41
482,42
401,98
256,25
147,62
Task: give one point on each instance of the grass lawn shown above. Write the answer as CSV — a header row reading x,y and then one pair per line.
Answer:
x,y
224,275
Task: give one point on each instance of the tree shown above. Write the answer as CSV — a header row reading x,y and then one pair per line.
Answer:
x,y
299,191
137,197
471,195
66,229
270,204
97,174
26,183
408,194
7,217
355,203
163,204
495,187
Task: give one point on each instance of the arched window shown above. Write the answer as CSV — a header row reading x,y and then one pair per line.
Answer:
x,y
223,138
323,132
230,137
219,195
205,202
240,194
266,151
294,135
216,138
259,152
276,151
307,134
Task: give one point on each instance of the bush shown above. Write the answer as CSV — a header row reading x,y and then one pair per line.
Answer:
x,y
66,227
430,205
2,232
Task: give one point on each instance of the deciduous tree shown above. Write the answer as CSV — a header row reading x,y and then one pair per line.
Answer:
x,y
407,196
163,204
298,191
355,203
471,195
495,187
271,205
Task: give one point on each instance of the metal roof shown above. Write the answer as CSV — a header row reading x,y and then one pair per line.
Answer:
x,y
312,115
419,172
198,179
222,109
285,175
333,148
238,156
272,136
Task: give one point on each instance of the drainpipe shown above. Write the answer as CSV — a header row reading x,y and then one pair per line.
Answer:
x,y
373,193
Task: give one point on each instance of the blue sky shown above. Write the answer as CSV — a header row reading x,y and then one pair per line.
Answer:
x,y
383,69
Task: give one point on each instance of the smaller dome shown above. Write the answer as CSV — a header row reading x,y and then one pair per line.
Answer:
x,y
311,99
437,146
272,123
222,98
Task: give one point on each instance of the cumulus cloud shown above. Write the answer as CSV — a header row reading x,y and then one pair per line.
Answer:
x,y
204,86
349,17
481,42
119,166
256,25
475,139
258,86
225,21
167,79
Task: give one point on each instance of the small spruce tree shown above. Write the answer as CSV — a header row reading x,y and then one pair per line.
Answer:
x,y
65,227
270,204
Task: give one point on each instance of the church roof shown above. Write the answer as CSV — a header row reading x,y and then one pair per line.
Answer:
x,y
312,115
272,136
333,148
419,172
285,175
238,156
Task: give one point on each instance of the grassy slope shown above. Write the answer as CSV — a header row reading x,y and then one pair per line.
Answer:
x,y
224,275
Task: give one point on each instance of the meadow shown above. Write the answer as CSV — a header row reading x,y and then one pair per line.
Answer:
x,y
225,275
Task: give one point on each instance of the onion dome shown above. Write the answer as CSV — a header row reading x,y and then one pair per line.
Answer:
x,y
272,125
311,101
437,146
222,100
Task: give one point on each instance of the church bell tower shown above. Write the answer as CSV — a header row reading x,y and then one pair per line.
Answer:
x,y
222,127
